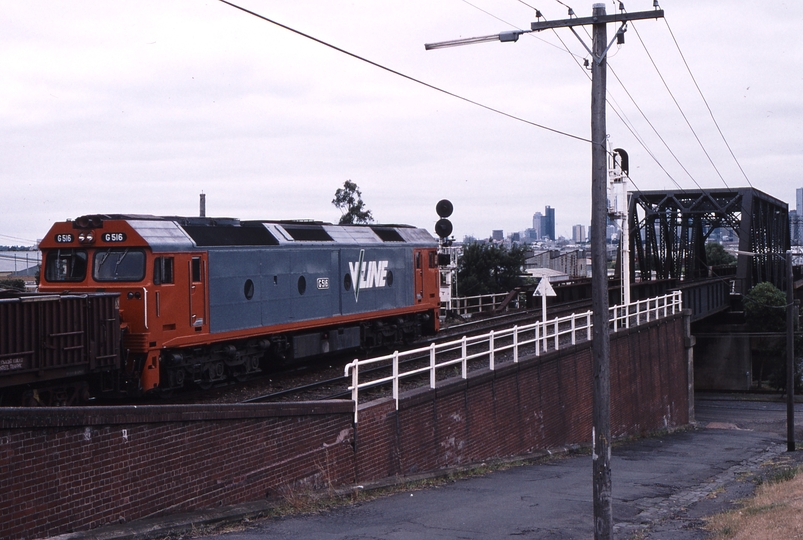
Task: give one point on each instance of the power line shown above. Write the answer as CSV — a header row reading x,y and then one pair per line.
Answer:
x,y
710,112
660,75
658,135
17,238
408,77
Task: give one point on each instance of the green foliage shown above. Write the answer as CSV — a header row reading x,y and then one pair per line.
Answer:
x,y
348,200
765,311
715,255
765,308
489,268
14,284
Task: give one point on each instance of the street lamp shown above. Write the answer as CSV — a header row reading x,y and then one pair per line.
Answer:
x,y
509,36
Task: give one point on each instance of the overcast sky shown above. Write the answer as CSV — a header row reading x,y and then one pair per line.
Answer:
x,y
138,107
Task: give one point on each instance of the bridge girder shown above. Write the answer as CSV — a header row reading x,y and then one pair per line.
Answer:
x,y
668,231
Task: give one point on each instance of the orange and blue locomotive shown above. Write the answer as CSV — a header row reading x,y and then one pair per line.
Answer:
x,y
202,300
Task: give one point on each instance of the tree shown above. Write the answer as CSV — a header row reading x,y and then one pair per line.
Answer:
x,y
12,284
765,311
489,268
348,200
715,255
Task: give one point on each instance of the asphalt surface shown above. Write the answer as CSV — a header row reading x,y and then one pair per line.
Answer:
x,y
663,487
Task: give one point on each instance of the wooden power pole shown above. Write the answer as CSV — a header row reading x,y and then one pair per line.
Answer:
x,y
600,348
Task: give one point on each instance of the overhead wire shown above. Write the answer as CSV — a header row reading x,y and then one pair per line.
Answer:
x,y
609,98
533,36
710,112
29,241
408,77
680,109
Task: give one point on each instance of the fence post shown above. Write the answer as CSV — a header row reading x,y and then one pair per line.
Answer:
x,y
515,343
396,378
491,349
537,339
355,382
557,344
465,362
432,365
574,328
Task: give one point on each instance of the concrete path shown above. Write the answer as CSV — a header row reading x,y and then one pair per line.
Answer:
x,y
662,487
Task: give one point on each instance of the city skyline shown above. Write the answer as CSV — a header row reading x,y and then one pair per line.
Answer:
x,y
135,108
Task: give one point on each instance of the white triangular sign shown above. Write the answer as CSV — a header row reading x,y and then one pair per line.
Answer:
x,y
544,288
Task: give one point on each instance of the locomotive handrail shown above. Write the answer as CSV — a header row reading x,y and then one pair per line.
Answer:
x,y
540,337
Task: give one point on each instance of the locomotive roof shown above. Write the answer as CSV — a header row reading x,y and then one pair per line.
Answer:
x,y
175,232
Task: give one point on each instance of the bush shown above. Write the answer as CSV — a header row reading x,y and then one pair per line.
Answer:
x,y
13,284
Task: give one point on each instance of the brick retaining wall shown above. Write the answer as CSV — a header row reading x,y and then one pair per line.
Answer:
x,y
538,403
79,468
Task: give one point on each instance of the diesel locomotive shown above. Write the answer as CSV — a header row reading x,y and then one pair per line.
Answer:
x,y
202,300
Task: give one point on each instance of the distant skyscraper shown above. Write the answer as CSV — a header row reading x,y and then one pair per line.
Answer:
x,y
796,219
578,234
498,235
548,227
538,221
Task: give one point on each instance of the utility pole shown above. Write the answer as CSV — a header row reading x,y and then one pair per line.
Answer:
x,y
601,429
791,308
601,345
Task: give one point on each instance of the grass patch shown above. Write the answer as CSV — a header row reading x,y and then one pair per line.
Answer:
x,y
776,510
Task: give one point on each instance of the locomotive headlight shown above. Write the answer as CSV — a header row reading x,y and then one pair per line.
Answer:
x,y
86,237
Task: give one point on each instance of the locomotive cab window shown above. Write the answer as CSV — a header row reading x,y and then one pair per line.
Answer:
x,y
66,265
195,268
119,264
162,270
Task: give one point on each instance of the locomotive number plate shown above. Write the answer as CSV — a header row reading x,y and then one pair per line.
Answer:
x,y
64,238
113,237
323,282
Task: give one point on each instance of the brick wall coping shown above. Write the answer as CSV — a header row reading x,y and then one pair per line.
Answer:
x,y
44,417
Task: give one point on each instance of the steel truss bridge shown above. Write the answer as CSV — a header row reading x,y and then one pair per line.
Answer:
x,y
669,229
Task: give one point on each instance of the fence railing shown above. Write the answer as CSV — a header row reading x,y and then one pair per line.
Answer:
x,y
466,305
509,344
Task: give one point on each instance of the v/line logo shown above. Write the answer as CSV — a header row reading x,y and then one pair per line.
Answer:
x,y
367,274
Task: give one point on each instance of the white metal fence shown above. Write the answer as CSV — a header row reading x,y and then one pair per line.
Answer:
x,y
466,305
536,338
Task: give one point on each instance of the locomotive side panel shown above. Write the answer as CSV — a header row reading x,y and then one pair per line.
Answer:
x,y
311,300
235,289
375,279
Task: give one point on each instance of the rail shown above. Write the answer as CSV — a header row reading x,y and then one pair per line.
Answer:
x,y
536,338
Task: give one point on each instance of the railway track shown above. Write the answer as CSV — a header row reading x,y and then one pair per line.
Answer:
x,y
336,387
324,379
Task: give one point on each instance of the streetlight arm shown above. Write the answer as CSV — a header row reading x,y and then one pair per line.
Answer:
x,y
512,35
